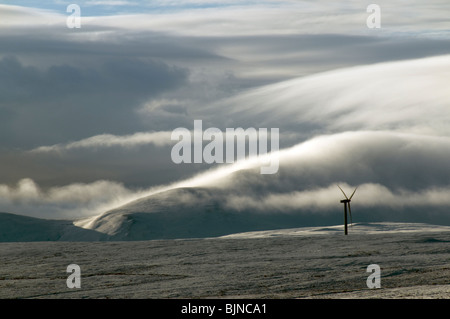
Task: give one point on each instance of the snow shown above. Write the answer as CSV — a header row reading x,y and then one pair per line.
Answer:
x,y
357,228
196,249
314,262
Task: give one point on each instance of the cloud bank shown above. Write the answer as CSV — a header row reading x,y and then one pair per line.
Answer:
x,y
109,140
403,160
92,108
65,202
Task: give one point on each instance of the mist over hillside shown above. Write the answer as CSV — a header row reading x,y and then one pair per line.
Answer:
x,y
357,108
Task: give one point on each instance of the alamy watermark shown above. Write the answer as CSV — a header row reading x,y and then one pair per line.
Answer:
x,y
74,279
74,20
189,149
374,280
374,20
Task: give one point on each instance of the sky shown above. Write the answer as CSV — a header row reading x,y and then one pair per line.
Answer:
x,y
86,114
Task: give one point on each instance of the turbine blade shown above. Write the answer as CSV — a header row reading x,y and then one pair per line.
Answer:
x,y
350,212
353,192
342,192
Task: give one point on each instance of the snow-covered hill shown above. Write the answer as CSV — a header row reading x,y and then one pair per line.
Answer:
x,y
198,212
299,263
185,213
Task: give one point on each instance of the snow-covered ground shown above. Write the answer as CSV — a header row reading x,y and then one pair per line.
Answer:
x,y
317,262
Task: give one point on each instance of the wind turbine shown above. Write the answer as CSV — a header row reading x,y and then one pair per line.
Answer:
x,y
346,202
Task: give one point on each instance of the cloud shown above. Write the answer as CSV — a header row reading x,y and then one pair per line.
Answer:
x,y
389,187
84,99
403,156
110,3
21,16
64,102
286,17
326,200
109,140
408,96
358,157
65,202
309,172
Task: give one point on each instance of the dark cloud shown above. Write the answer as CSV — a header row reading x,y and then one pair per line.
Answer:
x,y
65,102
59,42
136,167
329,49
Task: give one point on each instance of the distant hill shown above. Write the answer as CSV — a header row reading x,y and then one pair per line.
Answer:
x,y
17,228
189,212
185,213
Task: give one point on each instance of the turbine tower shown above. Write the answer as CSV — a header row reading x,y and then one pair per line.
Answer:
x,y
346,202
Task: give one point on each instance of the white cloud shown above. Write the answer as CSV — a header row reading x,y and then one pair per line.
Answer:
x,y
379,162
327,199
110,3
64,202
230,18
233,18
408,96
23,17
109,140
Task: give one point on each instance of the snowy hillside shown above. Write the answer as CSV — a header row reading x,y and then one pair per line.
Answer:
x,y
355,229
185,213
198,212
298,263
